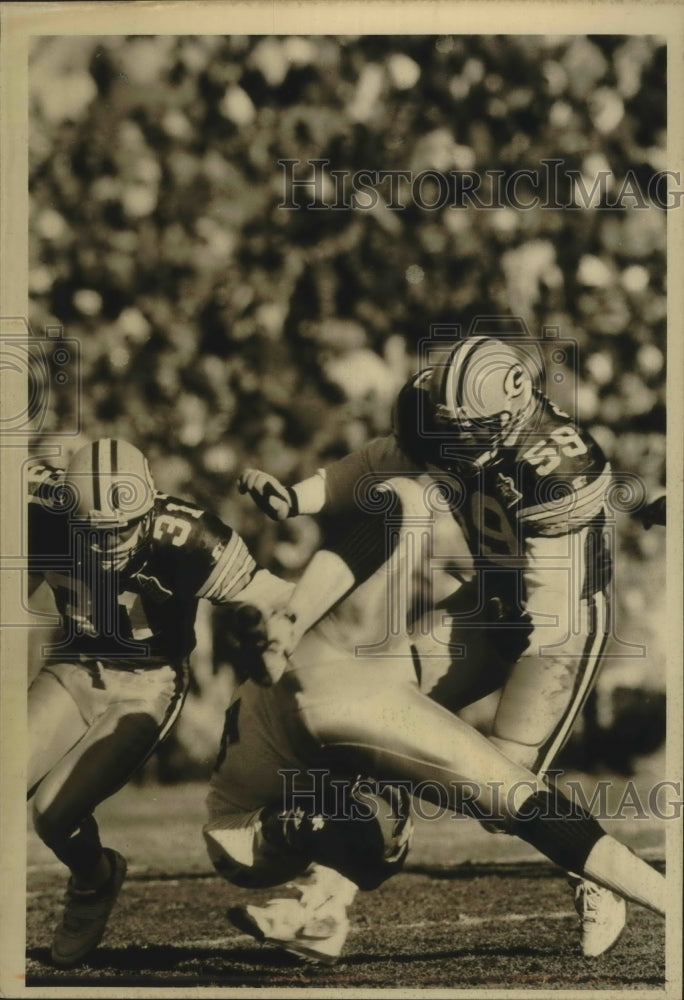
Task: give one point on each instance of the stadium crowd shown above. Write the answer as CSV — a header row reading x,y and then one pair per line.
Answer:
x,y
218,330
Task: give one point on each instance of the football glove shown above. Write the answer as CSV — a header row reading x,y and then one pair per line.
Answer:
x,y
270,496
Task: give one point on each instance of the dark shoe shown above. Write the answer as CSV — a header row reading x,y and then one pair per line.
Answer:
x,y
85,916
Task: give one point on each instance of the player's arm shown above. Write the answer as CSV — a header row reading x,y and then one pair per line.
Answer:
x,y
354,548
42,482
271,617
332,489
214,563
262,626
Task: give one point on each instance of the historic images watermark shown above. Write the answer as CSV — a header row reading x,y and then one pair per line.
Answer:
x,y
326,793
35,364
314,185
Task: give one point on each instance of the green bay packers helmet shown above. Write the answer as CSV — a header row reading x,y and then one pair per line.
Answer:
x,y
111,498
483,390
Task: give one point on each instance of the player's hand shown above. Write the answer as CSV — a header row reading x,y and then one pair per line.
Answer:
x,y
270,496
259,645
282,637
245,640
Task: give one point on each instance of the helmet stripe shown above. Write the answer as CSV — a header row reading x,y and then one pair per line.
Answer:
x,y
115,469
467,349
96,475
105,474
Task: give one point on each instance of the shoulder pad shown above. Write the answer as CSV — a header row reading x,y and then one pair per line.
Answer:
x,y
412,420
563,472
177,523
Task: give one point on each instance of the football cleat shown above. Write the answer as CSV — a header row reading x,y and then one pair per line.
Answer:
x,y
85,915
109,488
603,915
313,927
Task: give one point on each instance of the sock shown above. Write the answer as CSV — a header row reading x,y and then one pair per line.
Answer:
x,y
82,854
323,882
557,827
614,866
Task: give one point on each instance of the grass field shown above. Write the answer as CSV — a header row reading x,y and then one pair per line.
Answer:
x,y
470,910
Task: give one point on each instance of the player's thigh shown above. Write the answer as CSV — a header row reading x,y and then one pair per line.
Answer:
x,y
126,714
394,732
544,694
55,724
328,686
456,662
257,753
111,750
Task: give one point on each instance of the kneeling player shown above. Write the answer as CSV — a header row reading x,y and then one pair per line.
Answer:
x,y
126,566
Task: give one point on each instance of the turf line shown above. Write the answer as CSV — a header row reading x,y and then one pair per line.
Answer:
x,y
508,918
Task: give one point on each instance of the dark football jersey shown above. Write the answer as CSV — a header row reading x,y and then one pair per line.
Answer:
x,y
149,609
549,478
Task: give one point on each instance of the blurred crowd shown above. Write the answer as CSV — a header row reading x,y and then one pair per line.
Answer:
x,y
218,330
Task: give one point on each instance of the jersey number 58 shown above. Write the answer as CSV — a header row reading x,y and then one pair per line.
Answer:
x,y
546,455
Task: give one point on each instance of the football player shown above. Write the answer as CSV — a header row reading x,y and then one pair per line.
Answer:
x,y
350,703
126,565
526,488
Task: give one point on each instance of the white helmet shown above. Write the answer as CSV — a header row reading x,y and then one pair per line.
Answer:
x,y
111,495
484,390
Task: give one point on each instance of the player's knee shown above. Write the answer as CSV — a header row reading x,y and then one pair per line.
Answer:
x,y
390,812
52,820
520,753
134,722
240,855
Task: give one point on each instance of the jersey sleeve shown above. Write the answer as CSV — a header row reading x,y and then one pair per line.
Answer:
x,y
47,525
380,459
564,479
222,565
567,506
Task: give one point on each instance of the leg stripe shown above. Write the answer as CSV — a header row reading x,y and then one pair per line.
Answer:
x,y
587,674
176,703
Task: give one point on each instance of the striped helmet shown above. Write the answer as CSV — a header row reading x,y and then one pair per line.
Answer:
x,y
483,389
112,496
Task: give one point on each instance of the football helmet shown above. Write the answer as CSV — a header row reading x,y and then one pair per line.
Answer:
x,y
482,390
112,495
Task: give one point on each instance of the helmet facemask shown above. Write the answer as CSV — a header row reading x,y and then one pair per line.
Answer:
x,y
482,394
115,546
112,501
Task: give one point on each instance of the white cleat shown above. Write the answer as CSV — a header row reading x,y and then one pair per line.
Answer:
x,y
603,915
314,927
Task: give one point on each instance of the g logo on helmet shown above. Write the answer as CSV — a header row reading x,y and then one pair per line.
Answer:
x,y
514,382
